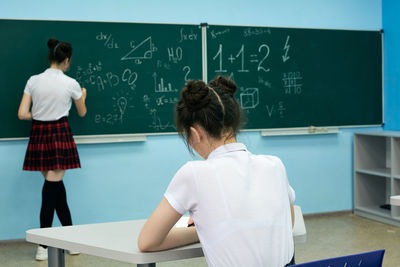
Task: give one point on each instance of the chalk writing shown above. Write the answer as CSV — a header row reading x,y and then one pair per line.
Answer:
x,y
187,36
162,100
161,87
291,82
187,70
107,118
93,76
255,31
260,67
175,55
219,54
130,77
157,124
87,75
285,57
276,109
241,52
112,79
146,101
122,101
107,39
215,34
263,50
144,50
165,65
264,82
249,98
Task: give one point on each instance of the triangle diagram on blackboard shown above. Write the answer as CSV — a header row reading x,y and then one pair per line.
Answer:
x,y
144,50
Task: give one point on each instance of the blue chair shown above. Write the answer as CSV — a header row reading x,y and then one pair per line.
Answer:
x,y
368,259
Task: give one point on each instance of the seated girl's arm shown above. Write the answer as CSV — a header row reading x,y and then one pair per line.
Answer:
x,y
24,112
158,232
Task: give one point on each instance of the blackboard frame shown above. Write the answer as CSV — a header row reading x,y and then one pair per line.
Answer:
x,y
204,26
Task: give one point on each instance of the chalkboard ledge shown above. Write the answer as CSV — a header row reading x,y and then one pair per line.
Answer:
x,y
111,138
300,131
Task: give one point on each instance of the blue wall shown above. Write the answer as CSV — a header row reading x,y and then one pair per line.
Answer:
x,y
126,181
390,18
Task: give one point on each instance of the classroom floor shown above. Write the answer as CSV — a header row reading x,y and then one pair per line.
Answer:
x,y
331,235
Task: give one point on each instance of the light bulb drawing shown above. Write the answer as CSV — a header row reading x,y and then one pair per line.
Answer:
x,y
122,102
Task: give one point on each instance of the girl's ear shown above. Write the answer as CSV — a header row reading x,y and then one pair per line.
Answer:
x,y
195,134
67,63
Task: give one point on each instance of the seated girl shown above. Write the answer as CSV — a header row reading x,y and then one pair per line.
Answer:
x,y
241,203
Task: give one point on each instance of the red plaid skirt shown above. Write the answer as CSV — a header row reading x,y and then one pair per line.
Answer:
x,y
51,146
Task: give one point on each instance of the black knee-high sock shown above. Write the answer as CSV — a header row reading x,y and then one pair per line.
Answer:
x,y
49,199
62,209
54,198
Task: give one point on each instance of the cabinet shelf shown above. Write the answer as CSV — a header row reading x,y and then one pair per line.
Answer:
x,y
377,175
385,172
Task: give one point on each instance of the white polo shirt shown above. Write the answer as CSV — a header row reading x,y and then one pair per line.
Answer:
x,y
240,204
52,92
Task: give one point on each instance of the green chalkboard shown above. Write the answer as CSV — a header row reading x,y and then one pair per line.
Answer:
x,y
300,77
133,72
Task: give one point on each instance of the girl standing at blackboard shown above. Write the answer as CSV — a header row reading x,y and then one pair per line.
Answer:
x,y
241,203
51,149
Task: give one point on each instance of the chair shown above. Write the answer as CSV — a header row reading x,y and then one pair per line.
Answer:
x,y
368,259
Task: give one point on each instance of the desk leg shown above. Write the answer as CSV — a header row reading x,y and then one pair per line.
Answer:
x,y
147,265
56,257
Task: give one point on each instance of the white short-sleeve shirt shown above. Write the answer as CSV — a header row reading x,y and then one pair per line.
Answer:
x,y
52,92
240,204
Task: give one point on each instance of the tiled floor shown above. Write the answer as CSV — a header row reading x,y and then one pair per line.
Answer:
x,y
327,236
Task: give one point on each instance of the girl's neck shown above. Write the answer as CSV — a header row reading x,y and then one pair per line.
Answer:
x,y
57,67
217,143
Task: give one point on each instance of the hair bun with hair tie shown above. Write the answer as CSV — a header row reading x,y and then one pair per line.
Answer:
x,y
52,42
196,95
225,84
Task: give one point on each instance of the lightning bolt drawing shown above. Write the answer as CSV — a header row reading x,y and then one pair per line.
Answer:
x,y
286,48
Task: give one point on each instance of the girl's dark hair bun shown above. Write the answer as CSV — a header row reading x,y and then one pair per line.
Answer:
x,y
196,95
58,51
65,47
211,106
225,84
52,42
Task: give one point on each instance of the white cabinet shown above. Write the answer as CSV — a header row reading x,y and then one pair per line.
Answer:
x,y
377,175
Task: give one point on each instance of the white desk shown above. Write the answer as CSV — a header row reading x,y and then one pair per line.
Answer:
x,y
118,241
